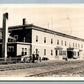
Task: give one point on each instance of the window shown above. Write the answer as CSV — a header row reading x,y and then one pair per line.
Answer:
x,y
51,52
64,52
73,44
74,53
78,45
44,39
81,45
10,48
44,51
60,52
9,40
51,41
16,36
56,52
57,42
36,38
69,44
65,43
36,51
25,51
61,42
78,53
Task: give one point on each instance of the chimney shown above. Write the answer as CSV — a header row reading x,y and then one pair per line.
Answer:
x,y
5,35
24,21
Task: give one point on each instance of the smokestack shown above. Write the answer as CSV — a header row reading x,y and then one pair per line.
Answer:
x,y
5,36
24,21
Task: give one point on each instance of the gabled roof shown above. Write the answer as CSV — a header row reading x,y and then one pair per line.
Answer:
x,y
31,26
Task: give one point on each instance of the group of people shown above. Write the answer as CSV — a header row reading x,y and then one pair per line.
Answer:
x,y
36,57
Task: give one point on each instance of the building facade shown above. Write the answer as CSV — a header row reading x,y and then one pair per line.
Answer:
x,y
47,43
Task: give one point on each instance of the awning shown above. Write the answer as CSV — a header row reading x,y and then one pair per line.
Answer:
x,y
80,50
59,48
70,49
10,37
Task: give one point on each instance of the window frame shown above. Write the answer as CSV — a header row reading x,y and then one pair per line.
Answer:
x,y
45,52
44,39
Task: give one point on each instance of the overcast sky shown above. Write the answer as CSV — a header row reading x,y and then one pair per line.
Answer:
x,y
65,18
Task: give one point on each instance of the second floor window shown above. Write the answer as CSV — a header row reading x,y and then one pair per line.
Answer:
x,y
36,38
65,43
78,45
51,41
57,42
44,39
62,42
16,37
10,48
73,44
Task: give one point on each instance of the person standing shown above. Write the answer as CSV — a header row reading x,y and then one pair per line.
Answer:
x,y
33,58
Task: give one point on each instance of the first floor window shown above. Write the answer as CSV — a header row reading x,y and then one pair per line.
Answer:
x,y
44,51
57,42
64,52
69,44
25,51
60,52
51,52
36,51
56,52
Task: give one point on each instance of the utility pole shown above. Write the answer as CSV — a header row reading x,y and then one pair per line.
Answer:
x,y
4,36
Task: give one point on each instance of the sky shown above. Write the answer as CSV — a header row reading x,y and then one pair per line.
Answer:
x,y
65,18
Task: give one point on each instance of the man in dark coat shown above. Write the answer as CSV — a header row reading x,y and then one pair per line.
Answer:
x,y
33,58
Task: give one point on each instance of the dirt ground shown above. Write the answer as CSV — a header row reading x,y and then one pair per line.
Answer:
x,y
54,68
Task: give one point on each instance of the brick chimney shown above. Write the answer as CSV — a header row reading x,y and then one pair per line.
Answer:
x,y
5,35
24,21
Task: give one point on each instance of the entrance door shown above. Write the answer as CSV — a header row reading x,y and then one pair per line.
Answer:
x,y
56,53
70,54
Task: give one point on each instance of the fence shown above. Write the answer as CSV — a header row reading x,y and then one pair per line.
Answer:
x,y
10,60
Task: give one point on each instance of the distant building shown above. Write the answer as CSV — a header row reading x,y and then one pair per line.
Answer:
x,y
28,39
